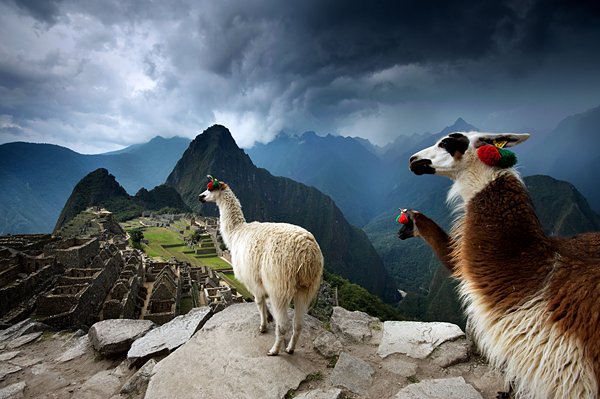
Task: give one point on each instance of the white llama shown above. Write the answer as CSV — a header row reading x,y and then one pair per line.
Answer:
x,y
279,261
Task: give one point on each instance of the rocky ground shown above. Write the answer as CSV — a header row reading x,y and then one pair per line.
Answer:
x,y
352,356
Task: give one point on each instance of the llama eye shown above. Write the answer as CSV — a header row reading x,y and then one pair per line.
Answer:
x,y
442,144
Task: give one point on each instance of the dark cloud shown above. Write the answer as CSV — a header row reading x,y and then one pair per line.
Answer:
x,y
121,71
42,10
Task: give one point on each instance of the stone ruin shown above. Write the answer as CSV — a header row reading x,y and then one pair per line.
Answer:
x,y
165,297
126,298
25,272
81,291
74,281
214,291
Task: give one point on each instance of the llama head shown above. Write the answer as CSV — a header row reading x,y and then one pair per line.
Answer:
x,y
213,190
461,151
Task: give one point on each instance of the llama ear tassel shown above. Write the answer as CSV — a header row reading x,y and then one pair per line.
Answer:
x,y
213,183
402,218
493,155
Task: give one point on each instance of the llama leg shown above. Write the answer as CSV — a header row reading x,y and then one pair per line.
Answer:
x,y
301,303
261,303
419,225
281,325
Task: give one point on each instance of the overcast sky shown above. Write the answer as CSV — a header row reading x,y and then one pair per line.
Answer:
x,y
99,75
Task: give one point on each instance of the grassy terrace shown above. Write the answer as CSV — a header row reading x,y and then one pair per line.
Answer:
x,y
165,243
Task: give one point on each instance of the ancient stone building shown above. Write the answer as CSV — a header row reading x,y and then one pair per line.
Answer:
x,y
127,296
165,296
25,272
74,252
77,298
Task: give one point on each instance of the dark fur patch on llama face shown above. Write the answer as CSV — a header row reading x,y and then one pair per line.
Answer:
x,y
455,144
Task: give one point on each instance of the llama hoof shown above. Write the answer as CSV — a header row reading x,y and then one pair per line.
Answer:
x,y
262,329
272,353
290,351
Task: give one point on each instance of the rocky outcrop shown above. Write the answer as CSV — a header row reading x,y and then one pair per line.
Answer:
x,y
226,358
169,336
115,336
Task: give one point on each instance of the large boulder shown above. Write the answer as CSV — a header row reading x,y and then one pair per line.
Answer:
x,y
115,336
352,327
416,339
352,373
227,358
169,336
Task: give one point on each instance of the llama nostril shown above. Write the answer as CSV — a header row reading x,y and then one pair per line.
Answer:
x,y
413,158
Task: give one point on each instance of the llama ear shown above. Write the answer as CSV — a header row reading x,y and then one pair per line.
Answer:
x,y
500,140
209,177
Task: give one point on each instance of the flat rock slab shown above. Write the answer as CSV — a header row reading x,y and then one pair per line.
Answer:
x,y
446,388
327,344
400,367
9,355
27,326
80,346
416,339
333,393
13,391
228,358
451,353
113,337
8,368
169,336
137,381
352,326
24,340
352,373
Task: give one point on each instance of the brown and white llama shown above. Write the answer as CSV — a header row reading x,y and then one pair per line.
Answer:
x,y
278,261
532,300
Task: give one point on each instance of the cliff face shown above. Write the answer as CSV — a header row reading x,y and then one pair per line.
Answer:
x,y
98,188
264,197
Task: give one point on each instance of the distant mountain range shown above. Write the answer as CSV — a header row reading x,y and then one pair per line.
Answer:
x,y
367,182
37,179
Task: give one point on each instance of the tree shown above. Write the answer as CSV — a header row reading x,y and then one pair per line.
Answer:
x,y
136,236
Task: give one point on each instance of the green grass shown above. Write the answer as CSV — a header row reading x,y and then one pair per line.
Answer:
x,y
216,263
241,289
157,237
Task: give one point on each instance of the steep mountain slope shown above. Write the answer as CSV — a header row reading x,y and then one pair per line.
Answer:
x,y
97,188
265,197
562,210
343,167
570,152
37,179
100,188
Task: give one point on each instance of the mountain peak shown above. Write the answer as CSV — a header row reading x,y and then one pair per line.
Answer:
x,y
460,125
94,189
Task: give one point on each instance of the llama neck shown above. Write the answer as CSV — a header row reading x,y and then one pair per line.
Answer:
x,y
504,255
231,215
502,216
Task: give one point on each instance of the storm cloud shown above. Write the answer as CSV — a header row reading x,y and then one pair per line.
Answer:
x,y
96,76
